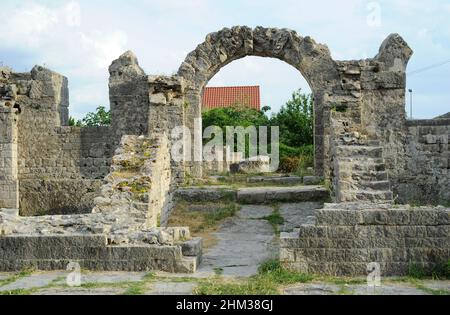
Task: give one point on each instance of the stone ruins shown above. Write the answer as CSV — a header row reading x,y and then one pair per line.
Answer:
x,y
101,196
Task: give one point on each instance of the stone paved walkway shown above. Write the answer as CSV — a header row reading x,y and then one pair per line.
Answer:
x,y
244,242
120,283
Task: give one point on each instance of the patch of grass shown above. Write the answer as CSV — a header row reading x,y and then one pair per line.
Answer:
x,y
135,289
433,291
274,271
346,281
22,274
441,271
269,280
252,287
19,292
211,219
275,219
343,290
202,223
218,271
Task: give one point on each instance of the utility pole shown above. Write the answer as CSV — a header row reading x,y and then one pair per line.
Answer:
x,y
411,103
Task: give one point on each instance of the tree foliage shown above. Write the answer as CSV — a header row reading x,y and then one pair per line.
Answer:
x,y
234,116
100,118
296,120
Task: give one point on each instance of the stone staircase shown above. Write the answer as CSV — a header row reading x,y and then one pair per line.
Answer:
x,y
360,172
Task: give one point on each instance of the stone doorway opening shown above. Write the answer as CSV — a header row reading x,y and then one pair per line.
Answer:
x,y
259,94
312,60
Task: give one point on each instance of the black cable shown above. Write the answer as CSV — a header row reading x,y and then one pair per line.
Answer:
x,y
428,68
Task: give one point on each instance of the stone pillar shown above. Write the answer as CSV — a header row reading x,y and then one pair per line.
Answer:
x,y
129,97
52,91
9,184
166,112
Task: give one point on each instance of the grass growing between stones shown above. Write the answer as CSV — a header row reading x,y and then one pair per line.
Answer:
x,y
275,219
440,271
270,279
203,223
15,277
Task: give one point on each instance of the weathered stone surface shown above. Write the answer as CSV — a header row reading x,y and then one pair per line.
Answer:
x,y
364,148
262,195
278,180
348,237
297,214
255,212
199,194
254,165
31,282
333,289
312,180
172,288
255,239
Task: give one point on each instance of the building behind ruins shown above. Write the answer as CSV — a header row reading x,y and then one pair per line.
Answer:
x,y
365,148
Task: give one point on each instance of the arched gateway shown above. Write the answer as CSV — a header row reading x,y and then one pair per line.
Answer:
x,y
312,60
365,148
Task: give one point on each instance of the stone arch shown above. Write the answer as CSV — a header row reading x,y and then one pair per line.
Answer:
x,y
311,59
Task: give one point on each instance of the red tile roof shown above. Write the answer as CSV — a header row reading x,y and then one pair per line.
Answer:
x,y
219,97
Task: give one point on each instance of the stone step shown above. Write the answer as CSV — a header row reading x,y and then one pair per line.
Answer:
x,y
359,151
360,160
370,176
365,185
377,167
383,185
367,195
364,176
370,143
206,194
263,195
276,180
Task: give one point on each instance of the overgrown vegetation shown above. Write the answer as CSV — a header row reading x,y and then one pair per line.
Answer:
x,y
203,222
101,117
441,271
275,219
296,123
271,276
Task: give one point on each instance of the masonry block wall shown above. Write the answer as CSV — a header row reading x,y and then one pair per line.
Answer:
x,y
129,97
426,177
59,168
9,185
347,238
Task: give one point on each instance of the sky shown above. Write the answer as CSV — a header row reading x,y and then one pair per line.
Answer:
x,y
80,39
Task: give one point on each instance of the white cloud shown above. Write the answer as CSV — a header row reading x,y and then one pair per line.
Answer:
x,y
80,38
73,14
25,27
103,47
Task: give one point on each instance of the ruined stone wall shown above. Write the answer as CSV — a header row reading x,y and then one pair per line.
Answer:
x,y
59,168
166,113
426,176
129,97
313,60
9,187
348,237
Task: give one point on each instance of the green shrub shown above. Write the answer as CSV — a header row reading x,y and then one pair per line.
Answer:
x,y
440,271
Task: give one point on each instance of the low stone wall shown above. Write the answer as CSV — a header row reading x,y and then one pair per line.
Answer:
x,y
64,174
57,196
255,195
134,197
426,178
92,252
348,237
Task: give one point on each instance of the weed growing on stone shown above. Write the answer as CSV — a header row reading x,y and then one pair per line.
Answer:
x,y
269,280
202,223
440,271
275,219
